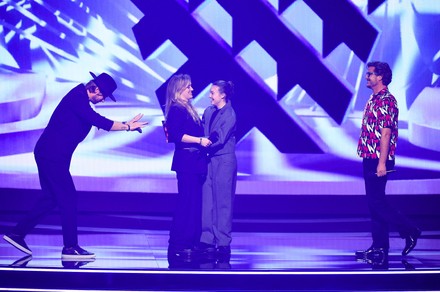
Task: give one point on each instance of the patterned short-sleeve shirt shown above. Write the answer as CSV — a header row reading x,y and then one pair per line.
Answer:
x,y
381,111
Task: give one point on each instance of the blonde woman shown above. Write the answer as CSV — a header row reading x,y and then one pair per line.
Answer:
x,y
185,130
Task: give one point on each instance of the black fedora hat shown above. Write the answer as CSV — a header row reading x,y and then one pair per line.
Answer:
x,y
106,84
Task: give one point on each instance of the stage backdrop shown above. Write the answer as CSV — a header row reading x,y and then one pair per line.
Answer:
x,y
298,67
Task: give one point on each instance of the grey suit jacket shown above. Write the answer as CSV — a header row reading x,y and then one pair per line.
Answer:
x,y
222,130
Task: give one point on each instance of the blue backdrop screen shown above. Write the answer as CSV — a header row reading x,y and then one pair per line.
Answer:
x,y
298,68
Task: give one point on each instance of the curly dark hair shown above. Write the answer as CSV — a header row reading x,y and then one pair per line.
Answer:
x,y
382,69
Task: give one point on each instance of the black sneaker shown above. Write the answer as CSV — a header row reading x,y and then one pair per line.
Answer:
x,y
76,252
18,242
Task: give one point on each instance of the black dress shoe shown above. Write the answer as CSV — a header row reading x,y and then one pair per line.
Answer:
x,y
411,242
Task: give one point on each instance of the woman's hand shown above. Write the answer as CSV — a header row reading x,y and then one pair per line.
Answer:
x,y
205,142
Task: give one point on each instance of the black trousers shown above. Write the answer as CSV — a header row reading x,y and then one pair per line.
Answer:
x,y
383,215
58,190
187,220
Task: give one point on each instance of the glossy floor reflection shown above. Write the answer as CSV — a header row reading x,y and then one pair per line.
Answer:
x,y
144,250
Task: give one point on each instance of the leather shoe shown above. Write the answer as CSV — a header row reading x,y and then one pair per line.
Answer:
x,y
411,242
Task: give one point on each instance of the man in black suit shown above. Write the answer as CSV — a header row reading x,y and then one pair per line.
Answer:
x,y
69,124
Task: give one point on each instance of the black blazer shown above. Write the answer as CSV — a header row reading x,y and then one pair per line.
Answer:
x,y
188,157
69,124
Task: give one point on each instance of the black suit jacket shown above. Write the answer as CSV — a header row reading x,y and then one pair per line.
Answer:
x,y
188,157
69,125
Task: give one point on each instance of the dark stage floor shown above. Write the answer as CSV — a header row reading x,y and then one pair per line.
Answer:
x,y
136,260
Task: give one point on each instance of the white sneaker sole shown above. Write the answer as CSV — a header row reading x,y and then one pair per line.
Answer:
x,y
83,260
16,245
77,257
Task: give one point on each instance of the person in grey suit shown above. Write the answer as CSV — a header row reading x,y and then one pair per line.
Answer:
x,y
219,188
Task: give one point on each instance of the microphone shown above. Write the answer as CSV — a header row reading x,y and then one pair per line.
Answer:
x,y
213,137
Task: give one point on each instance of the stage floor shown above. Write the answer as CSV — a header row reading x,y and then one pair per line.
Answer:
x,y
280,256
250,251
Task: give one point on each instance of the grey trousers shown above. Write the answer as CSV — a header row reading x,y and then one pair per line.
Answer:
x,y
218,196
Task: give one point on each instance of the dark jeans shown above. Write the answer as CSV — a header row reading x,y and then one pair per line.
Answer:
x,y
382,213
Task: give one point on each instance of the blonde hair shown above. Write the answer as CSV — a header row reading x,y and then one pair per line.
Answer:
x,y
175,86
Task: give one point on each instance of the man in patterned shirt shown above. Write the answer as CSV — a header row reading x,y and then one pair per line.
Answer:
x,y
377,146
